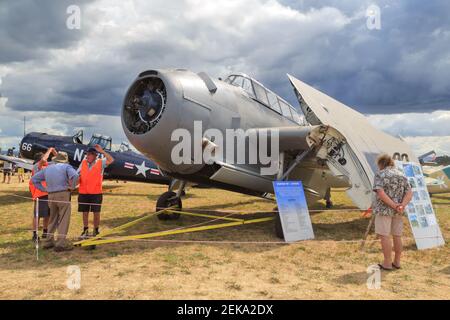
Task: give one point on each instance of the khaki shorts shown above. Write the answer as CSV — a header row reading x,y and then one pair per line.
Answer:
x,y
386,225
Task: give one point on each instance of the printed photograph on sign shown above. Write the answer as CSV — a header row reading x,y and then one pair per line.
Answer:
x,y
408,170
431,219
420,182
420,210
423,195
423,222
412,182
417,170
414,221
428,209
410,208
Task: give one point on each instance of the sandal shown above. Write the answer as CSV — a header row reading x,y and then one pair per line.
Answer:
x,y
383,268
396,267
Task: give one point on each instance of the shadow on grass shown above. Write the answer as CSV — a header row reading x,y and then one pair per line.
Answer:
x,y
151,197
445,196
360,278
354,278
446,270
20,229
110,187
8,197
115,222
410,246
224,206
321,206
20,254
347,230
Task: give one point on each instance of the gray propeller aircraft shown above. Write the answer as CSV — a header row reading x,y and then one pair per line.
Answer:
x,y
330,146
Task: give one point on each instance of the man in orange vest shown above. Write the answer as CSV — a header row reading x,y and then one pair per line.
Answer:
x,y
90,189
39,164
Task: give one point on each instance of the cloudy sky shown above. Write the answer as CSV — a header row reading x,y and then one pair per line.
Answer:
x,y
65,79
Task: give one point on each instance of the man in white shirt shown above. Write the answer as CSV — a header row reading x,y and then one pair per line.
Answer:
x,y
7,171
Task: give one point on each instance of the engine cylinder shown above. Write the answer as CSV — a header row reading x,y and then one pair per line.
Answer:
x,y
144,105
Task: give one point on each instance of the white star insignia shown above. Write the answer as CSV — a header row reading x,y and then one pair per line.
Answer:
x,y
442,183
141,169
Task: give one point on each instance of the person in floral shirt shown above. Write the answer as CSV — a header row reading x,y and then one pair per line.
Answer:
x,y
393,193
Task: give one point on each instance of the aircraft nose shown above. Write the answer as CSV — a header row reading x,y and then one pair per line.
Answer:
x,y
144,105
25,147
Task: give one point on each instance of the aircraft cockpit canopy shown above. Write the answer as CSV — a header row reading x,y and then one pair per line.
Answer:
x,y
104,141
124,147
78,137
258,92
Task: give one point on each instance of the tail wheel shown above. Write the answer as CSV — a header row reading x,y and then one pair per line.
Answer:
x,y
166,200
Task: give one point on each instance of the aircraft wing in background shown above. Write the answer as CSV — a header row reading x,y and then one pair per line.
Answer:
x,y
18,162
438,181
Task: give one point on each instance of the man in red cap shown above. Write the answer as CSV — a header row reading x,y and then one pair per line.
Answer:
x,y
90,190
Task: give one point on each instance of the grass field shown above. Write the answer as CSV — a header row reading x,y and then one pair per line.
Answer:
x,y
331,266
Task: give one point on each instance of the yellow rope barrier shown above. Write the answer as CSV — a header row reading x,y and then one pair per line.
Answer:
x,y
172,232
104,239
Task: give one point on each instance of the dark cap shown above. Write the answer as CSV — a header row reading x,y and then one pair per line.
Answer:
x,y
91,150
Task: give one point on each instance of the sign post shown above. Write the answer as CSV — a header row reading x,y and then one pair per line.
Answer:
x,y
420,211
293,210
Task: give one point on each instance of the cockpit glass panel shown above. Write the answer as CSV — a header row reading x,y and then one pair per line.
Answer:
x,y
108,144
265,96
237,81
247,86
78,137
260,93
273,101
230,79
124,147
285,109
103,141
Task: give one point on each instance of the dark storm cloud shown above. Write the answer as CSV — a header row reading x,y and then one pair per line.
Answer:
x,y
29,28
404,67
97,89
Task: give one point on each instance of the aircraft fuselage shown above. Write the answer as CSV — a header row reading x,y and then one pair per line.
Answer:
x,y
128,165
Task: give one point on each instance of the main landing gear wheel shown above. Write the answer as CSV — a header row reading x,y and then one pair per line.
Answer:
x,y
278,227
166,200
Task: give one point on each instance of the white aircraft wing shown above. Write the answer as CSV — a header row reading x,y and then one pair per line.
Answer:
x,y
359,143
438,181
19,162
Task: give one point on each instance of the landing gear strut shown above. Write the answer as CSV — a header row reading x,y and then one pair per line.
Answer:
x,y
329,203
